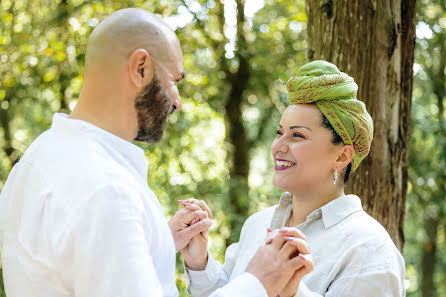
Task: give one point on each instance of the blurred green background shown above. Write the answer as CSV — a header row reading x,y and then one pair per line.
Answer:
x,y
42,48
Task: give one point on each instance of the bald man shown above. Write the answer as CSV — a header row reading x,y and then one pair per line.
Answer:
x,y
76,215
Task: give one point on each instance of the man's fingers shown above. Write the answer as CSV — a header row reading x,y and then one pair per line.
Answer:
x,y
192,207
189,215
195,229
300,244
204,207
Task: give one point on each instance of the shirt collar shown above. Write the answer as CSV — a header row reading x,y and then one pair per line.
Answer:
x,y
340,208
131,153
332,212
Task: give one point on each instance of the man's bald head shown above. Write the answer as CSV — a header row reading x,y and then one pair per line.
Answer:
x,y
126,30
132,67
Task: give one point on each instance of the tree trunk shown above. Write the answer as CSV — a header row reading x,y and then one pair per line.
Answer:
x,y
10,151
373,41
429,258
238,149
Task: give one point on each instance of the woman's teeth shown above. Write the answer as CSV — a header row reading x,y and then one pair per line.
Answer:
x,y
284,163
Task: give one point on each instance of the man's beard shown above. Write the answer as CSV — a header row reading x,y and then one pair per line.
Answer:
x,y
152,107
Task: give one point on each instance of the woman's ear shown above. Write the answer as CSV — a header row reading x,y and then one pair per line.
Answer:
x,y
140,68
345,156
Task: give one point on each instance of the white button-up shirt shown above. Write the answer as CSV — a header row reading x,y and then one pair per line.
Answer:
x,y
78,219
353,254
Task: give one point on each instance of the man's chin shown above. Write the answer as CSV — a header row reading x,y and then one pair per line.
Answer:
x,y
150,139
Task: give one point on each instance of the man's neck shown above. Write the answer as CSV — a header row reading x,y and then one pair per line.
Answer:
x,y
119,120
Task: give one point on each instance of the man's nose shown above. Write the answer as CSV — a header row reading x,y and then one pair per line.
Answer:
x,y
176,104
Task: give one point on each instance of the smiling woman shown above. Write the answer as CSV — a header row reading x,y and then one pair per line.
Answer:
x,y
323,135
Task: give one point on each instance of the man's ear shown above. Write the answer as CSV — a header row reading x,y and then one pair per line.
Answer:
x,y
345,156
140,68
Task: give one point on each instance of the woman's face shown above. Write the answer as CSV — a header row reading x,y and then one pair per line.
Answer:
x,y
303,151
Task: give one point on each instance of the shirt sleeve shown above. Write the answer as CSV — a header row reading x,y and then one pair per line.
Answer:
x,y
111,255
214,280
214,276
384,280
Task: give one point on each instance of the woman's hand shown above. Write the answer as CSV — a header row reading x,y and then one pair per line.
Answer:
x,y
295,238
195,253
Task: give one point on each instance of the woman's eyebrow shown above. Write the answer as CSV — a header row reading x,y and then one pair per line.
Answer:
x,y
295,127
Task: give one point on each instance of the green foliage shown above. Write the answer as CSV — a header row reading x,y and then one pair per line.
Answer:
x,y
426,201
42,49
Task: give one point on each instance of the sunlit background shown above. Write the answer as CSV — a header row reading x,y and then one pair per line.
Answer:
x,y
42,47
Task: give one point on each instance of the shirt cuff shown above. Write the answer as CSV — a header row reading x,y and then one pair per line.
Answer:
x,y
245,284
209,275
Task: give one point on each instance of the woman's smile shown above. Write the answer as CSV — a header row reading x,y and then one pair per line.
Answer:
x,y
282,164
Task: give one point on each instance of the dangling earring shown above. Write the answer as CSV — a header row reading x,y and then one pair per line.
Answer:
x,y
335,176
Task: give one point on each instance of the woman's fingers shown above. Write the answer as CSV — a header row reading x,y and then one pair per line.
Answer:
x,y
303,264
199,203
300,244
292,232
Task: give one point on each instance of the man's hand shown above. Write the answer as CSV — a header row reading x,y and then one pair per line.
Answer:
x,y
195,254
187,223
277,263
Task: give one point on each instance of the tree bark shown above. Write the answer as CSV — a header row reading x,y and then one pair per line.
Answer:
x,y
373,41
429,258
8,148
238,148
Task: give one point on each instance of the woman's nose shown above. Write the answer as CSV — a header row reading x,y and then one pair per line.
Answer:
x,y
283,148
279,146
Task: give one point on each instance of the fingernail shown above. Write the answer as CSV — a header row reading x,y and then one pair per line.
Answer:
x,y
288,238
302,257
205,235
268,230
269,241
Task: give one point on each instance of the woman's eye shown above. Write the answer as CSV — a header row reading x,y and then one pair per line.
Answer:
x,y
278,133
297,135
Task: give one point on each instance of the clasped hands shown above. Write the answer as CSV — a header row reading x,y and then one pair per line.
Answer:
x,y
279,264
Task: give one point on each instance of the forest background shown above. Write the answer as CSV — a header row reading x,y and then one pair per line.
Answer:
x,y
235,81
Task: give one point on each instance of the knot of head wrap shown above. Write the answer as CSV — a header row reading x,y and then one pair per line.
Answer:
x,y
334,93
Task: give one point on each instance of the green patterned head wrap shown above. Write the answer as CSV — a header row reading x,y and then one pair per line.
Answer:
x,y
334,93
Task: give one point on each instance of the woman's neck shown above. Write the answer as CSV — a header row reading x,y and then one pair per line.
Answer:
x,y
306,203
